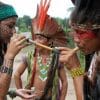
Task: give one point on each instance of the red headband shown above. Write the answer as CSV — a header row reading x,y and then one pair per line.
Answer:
x,y
85,34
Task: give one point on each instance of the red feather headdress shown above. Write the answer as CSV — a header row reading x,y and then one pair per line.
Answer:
x,y
45,25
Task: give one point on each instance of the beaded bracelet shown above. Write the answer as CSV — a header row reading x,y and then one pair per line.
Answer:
x,y
4,69
12,93
77,72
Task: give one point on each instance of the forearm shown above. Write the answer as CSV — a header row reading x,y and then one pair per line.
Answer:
x,y
63,91
78,84
18,82
18,73
5,78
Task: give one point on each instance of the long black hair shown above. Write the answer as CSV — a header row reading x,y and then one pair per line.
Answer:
x,y
3,48
86,11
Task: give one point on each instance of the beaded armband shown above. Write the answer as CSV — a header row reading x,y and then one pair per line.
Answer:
x,y
77,72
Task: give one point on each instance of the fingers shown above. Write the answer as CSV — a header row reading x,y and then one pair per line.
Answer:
x,y
29,96
38,92
64,52
67,53
17,37
63,48
19,40
22,41
25,93
28,91
64,58
31,91
20,37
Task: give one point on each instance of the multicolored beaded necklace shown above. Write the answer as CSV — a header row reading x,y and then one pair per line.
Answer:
x,y
43,68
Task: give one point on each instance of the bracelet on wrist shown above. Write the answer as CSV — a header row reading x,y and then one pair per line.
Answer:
x,y
77,72
8,62
12,93
4,69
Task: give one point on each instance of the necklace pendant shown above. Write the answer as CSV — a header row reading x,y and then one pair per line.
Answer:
x,y
43,71
42,78
43,64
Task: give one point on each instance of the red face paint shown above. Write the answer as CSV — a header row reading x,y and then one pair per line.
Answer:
x,y
85,34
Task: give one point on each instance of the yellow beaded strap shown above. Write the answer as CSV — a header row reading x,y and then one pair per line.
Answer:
x,y
77,72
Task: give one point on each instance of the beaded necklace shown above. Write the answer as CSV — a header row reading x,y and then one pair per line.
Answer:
x,y
43,68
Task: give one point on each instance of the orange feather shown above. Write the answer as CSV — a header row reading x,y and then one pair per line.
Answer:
x,y
43,13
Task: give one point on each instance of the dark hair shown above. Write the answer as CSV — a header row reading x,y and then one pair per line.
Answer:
x,y
86,11
3,48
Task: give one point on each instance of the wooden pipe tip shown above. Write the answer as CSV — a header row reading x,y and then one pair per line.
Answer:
x,y
76,49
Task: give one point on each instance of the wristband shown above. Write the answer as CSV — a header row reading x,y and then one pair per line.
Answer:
x,y
77,72
4,69
12,93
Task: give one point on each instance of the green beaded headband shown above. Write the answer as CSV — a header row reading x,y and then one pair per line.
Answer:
x,y
7,11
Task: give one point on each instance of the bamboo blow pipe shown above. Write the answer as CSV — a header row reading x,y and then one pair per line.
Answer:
x,y
38,44
46,47
75,49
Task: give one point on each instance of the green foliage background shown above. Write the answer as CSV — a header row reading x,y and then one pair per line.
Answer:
x,y
24,23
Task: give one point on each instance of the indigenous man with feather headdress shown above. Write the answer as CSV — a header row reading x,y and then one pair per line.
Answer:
x,y
43,77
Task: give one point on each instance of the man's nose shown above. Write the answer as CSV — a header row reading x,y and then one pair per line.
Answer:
x,y
76,39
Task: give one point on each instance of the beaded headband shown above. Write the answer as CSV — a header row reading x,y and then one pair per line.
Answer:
x,y
85,27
